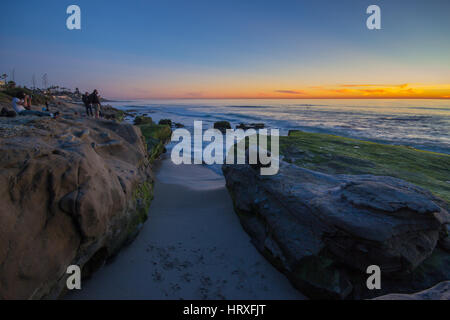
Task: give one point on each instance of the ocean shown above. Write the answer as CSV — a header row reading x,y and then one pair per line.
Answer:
x,y
423,124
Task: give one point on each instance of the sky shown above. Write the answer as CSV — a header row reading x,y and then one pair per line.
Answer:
x,y
231,49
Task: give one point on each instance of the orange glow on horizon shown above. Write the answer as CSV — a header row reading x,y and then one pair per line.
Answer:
x,y
341,91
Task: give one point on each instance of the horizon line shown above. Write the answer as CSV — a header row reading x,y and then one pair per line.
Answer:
x,y
278,98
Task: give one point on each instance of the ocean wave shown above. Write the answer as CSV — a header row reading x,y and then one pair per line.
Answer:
x,y
379,123
413,118
249,107
310,105
431,108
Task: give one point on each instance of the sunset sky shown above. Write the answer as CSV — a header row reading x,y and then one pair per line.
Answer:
x,y
232,49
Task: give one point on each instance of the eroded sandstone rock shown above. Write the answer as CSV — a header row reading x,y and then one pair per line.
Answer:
x,y
72,191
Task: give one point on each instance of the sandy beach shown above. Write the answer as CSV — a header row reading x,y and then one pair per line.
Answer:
x,y
191,247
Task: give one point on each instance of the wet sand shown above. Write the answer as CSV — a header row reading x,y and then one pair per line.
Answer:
x,y
191,247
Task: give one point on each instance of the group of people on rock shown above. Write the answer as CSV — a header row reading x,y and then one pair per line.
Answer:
x,y
21,104
92,101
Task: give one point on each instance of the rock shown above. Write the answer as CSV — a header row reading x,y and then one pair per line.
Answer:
x,y
292,132
110,144
323,231
440,291
178,125
246,126
82,134
222,126
444,240
11,114
332,154
142,120
108,112
167,122
7,113
65,202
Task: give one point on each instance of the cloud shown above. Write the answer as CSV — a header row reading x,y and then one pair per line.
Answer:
x,y
341,90
402,86
410,90
290,91
373,91
194,94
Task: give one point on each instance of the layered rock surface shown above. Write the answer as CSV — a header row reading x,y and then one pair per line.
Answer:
x,y
72,191
323,231
440,291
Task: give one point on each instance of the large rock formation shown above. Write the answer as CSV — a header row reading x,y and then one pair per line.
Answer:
x,y
323,231
72,191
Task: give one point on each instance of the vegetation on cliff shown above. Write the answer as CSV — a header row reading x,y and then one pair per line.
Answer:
x,y
8,94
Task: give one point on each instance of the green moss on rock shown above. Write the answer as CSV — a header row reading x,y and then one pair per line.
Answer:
x,y
167,122
120,115
142,196
113,113
156,137
140,120
338,155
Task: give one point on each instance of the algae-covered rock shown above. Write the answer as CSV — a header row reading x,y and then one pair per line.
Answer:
x,y
156,137
111,113
246,126
338,155
167,122
140,120
323,231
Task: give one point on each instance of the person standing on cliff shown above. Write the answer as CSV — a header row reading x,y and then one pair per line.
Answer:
x,y
87,103
95,100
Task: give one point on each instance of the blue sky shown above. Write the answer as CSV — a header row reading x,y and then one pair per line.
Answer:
x,y
205,48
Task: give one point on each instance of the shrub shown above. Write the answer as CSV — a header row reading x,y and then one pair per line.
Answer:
x,y
37,99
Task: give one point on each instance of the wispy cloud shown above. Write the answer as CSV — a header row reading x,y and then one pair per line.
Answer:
x,y
368,91
194,94
404,85
290,91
